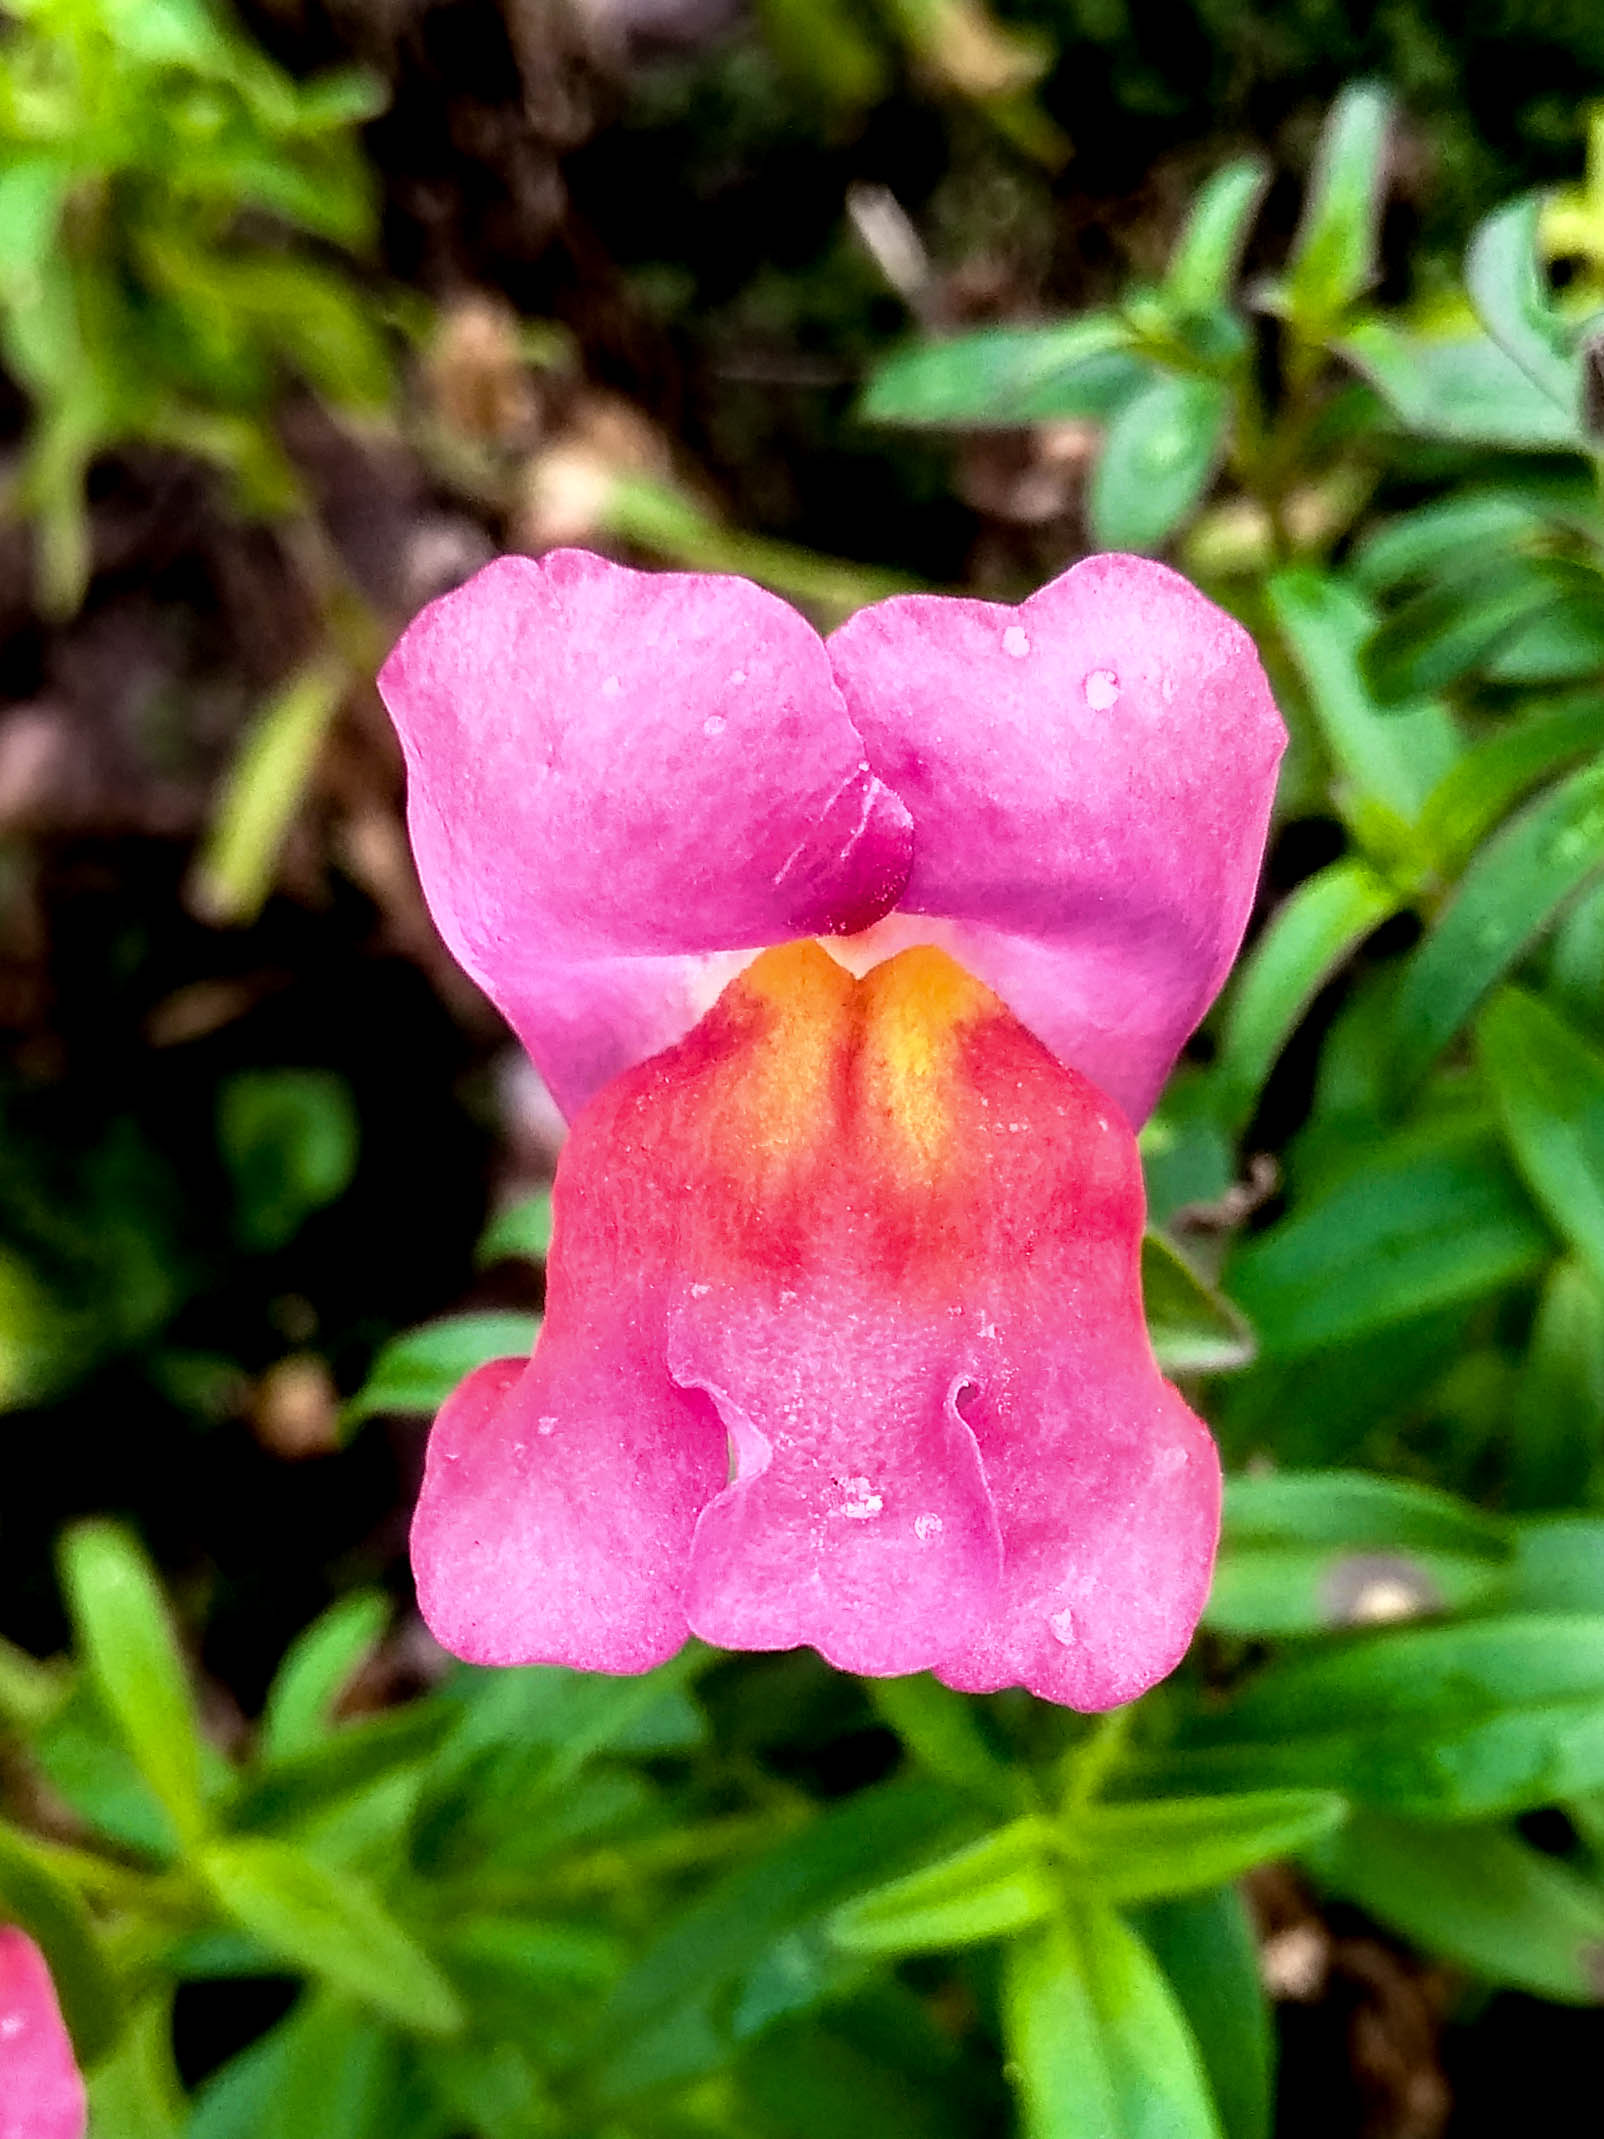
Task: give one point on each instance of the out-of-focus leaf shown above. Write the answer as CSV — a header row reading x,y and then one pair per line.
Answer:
x,y
1505,282
1434,537
418,1371
1455,624
1433,1219
126,1638
1512,890
519,1233
990,1889
1001,377
1478,1896
1271,1591
312,1782
317,1667
1188,1155
134,2093
837,2075
1312,933
1162,447
1548,1084
328,2069
262,792
333,1925
1501,770
1439,1722
1194,1328
1460,387
942,1731
1559,1563
289,1139
1334,253
1206,1947
1208,253
1558,1427
1357,1508
670,2017
1099,2044
1149,1848
1576,961
35,1897
1393,757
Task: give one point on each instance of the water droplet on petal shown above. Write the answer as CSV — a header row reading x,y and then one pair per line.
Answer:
x,y
862,1502
612,687
545,1425
1061,1626
1016,642
714,724
926,1527
1101,688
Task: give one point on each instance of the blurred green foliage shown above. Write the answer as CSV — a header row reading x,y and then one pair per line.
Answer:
x,y
154,169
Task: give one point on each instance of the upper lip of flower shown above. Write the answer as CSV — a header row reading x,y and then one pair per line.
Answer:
x,y
622,785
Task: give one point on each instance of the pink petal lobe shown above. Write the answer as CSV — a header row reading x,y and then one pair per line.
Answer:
x,y
41,2093
1090,778
617,777
859,1521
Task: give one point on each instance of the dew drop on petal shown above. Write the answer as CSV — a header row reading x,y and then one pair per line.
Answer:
x,y
612,687
714,724
1101,688
926,1527
1062,1627
862,1502
1016,642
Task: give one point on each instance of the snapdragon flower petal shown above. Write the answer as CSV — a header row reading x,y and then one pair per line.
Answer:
x,y
41,2093
615,780
872,1237
1090,778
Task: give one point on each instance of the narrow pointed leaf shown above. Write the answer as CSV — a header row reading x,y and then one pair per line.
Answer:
x,y
1195,1329
1208,253
1548,1084
1334,253
1150,1848
997,1886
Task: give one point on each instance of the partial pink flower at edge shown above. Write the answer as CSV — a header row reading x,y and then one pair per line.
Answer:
x,y
41,2091
952,1448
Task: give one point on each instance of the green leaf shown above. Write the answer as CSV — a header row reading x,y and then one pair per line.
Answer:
x,y
1548,1084
1002,377
1150,1848
1478,1896
941,1729
326,2070
673,2014
317,1668
998,1885
1393,757
262,792
315,1781
1457,624
418,1371
1474,795
35,1897
1559,1563
1099,2045
334,1926
519,1233
1161,450
1557,1436
134,2093
1356,1508
1506,285
1459,387
1208,253
1334,253
1206,1946
1439,1722
1432,1219
126,1639
1311,935
1514,889
1263,1592
289,1140
1194,1328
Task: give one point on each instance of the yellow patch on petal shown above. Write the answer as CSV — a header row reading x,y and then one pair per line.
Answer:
x,y
913,1008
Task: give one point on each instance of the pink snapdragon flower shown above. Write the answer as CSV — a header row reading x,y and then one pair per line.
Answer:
x,y
41,2093
854,962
